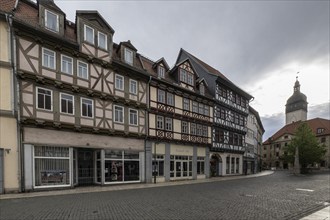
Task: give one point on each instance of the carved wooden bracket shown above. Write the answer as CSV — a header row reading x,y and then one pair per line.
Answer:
x,y
75,88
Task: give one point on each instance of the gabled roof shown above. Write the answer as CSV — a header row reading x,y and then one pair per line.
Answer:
x,y
180,63
202,80
212,71
127,44
92,14
50,4
314,124
161,60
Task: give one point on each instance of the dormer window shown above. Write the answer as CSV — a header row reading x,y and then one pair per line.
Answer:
x,y
190,79
51,21
161,72
320,130
128,56
102,41
183,75
186,77
89,34
202,89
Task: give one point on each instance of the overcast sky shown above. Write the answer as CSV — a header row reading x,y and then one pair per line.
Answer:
x,y
258,45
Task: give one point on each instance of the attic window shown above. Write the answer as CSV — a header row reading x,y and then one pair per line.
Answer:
x,y
202,89
102,41
319,130
89,34
128,56
161,72
51,21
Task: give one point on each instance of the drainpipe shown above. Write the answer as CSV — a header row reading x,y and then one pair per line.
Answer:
x,y
16,101
147,127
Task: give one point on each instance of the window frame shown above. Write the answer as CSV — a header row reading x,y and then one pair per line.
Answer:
x,y
81,107
168,124
161,93
105,40
128,56
122,82
122,114
51,99
43,58
62,93
129,116
136,86
161,71
170,99
160,119
57,21
183,75
78,72
202,89
64,56
185,103
190,79
85,34
184,127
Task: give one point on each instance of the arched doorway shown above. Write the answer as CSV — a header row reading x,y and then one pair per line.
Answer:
x,y
216,165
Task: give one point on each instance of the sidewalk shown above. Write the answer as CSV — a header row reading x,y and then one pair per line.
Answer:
x,y
126,186
323,214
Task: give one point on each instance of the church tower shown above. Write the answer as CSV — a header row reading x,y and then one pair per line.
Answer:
x,y
296,106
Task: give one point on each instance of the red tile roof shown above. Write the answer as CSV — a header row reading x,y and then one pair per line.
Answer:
x,y
314,124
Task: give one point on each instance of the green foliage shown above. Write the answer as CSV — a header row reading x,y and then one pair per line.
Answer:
x,y
310,151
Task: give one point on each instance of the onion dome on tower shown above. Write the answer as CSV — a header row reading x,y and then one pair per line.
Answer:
x,y
296,105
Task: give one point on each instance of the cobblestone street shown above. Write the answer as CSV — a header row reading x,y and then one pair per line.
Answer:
x,y
277,196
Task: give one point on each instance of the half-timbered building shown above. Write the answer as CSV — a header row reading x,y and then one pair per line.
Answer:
x,y
82,99
180,120
231,107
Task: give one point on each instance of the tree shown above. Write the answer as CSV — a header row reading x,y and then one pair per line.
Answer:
x,y
310,151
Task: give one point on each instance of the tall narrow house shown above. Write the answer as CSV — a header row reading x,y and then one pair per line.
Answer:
x,y
231,107
180,120
82,100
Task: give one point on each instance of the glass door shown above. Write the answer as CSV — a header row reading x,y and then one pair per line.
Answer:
x,y
98,167
178,167
75,167
185,168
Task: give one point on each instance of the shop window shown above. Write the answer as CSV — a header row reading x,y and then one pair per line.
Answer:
x,y
51,166
121,166
200,165
158,165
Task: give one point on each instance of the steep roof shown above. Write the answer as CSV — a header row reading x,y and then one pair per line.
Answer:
x,y
214,72
314,124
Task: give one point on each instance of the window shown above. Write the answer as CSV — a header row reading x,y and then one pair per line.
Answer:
x,y
195,107
119,82
66,64
133,86
44,99
200,108
161,72
89,34
186,104
168,124
128,56
205,131
320,130
199,130
183,75
170,99
86,107
48,58
158,165
184,127
200,165
133,117
102,41
222,113
82,70
160,122
323,140
51,21
206,110
202,89
192,128
190,79
51,166
67,103
161,96
119,114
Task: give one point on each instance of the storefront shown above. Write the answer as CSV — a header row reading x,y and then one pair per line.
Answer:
x,y
168,162
57,165
222,164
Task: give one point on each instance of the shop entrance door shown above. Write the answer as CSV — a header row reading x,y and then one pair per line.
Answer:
x,y
85,167
181,169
